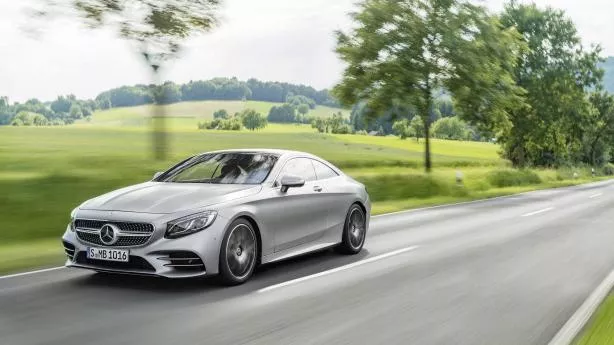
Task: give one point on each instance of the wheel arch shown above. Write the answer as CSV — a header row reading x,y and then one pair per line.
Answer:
x,y
249,218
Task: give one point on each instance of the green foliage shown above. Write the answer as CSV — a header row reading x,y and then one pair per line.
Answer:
x,y
401,128
451,128
303,109
167,93
221,114
416,127
510,178
395,187
62,104
229,124
285,113
252,119
548,131
25,118
298,100
402,52
75,112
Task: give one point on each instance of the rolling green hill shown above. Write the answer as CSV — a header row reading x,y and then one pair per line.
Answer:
x,y
188,114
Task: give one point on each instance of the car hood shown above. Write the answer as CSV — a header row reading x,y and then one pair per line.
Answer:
x,y
166,197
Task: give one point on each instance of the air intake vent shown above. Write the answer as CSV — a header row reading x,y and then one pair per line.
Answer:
x,y
69,249
183,261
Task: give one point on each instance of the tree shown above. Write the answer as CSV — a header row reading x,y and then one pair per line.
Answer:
x,y
76,112
221,114
61,105
252,119
402,52
168,93
303,109
156,28
320,124
416,127
451,128
401,128
599,137
283,114
555,71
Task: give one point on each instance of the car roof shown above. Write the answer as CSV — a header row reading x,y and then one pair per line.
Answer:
x,y
279,152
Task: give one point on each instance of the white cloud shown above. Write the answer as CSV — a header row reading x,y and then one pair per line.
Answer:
x,y
285,40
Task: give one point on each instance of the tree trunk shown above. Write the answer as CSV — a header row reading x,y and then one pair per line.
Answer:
x,y
427,147
159,137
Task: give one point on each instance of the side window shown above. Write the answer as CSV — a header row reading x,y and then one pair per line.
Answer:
x,y
323,171
300,167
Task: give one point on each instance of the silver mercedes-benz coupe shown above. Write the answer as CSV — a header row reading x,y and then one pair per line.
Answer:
x,y
220,213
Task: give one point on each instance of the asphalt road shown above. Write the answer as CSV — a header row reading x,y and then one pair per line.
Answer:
x,y
505,271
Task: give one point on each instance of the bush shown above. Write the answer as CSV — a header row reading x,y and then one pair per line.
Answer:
x,y
233,124
396,187
510,178
608,170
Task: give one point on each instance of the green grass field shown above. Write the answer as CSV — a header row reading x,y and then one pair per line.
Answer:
x,y
187,114
600,330
47,171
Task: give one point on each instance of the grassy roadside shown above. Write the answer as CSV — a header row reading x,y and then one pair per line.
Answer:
x,y
600,330
22,256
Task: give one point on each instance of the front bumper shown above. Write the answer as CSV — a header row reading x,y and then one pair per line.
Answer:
x,y
152,258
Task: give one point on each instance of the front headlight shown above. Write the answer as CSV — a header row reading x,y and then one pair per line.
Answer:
x,y
73,214
190,224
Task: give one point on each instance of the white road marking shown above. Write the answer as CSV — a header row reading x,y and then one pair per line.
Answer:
x,y
595,195
31,272
338,269
578,320
538,212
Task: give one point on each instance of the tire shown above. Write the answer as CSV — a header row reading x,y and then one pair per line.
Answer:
x,y
238,253
354,231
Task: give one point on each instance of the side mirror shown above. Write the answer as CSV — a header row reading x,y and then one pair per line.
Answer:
x,y
289,181
156,175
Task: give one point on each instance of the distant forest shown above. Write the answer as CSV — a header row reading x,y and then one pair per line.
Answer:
x,y
67,109
214,89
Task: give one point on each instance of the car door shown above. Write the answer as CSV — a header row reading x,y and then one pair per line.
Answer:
x,y
302,215
335,196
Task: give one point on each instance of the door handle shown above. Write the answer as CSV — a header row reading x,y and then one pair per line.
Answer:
x,y
317,188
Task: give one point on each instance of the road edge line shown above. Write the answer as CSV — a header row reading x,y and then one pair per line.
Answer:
x,y
31,272
578,321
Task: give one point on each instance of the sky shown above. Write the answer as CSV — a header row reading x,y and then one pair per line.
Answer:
x,y
278,40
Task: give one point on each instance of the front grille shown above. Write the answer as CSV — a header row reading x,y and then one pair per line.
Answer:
x,y
69,249
135,263
122,241
182,261
123,226
141,232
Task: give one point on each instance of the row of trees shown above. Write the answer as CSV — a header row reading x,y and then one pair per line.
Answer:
x,y
215,89
63,110
521,75
248,118
294,110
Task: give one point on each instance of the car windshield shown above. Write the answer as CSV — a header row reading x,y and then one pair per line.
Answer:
x,y
222,168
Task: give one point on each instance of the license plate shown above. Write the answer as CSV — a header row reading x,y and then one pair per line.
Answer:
x,y
121,255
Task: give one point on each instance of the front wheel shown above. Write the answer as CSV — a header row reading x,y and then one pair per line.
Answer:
x,y
354,231
238,253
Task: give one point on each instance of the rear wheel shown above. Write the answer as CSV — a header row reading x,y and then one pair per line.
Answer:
x,y
354,231
238,253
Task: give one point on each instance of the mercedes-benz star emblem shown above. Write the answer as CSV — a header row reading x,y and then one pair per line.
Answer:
x,y
108,234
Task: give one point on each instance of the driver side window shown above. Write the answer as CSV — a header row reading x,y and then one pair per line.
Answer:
x,y
301,167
